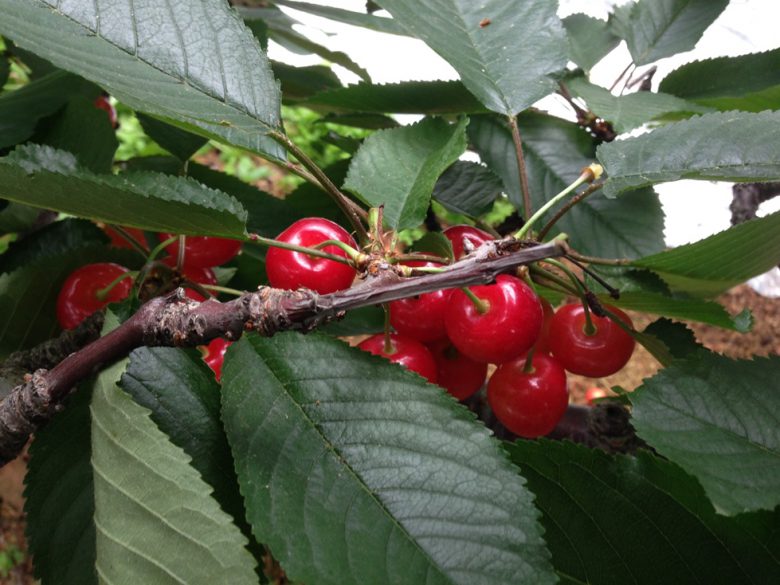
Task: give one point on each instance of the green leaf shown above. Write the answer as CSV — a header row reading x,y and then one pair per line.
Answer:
x,y
632,110
56,238
509,62
468,188
680,340
654,29
83,130
182,396
719,419
682,307
713,265
728,146
178,142
398,168
619,519
5,70
299,83
28,295
21,109
748,82
280,29
15,217
363,321
368,121
59,497
590,39
555,153
49,178
369,21
409,97
155,518
355,470
435,243
177,61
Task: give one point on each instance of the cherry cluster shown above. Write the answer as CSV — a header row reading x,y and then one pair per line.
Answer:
x,y
448,336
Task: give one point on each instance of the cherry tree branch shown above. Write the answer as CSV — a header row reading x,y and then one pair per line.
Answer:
x,y
174,320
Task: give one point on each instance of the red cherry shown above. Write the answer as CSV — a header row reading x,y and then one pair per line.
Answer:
x,y
119,241
404,351
593,394
421,317
78,298
204,251
215,355
543,343
457,374
529,404
507,330
601,354
195,274
102,103
457,233
292,270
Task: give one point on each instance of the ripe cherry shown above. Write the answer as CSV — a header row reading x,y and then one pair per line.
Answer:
x,y
404,351
204,251
529,404
194,274
421,317
215,355
457,233
78,298
102,103
457,374
119,241
292,270
507,329
543,343
601,353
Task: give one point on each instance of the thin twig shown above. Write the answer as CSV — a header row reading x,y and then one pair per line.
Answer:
x,y
527,208
565,209
351,209
614,83
596,260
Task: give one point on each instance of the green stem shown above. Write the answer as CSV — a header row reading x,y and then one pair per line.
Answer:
x,y
528,368
568,272
160,247
351,209
181,252
603,261
223,289
564,285
481,305
388,346
134,244
589,329
418,257
565,209
348,250
583,178
294,248
103,293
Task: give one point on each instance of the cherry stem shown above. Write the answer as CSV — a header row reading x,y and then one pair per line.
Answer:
x,y
589,328
387,349
222,289
134,244
293,248
104,292
481,305
527,209
589,174
614,83
181,251
578,198
596,260
348,250
160,247
613,292
528,368
564,285
578,284
418,257
351,209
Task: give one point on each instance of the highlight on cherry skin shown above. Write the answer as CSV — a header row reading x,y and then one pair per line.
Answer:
x,y
463,236
291,270
203,251
529,403
598,354
404,351
80,295
509,326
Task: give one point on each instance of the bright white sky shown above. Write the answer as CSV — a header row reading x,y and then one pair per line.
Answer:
x,y
694,209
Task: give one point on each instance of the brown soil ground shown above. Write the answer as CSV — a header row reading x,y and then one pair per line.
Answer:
x,y
764,340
